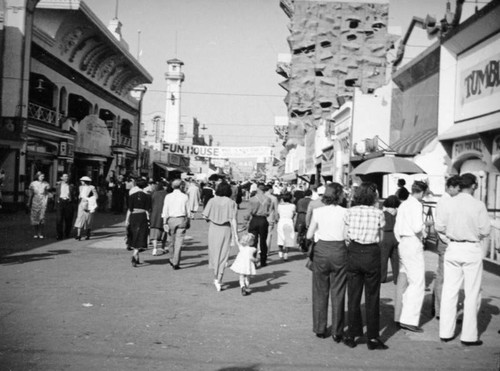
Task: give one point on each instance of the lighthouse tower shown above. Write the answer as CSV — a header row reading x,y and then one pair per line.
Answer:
x,y
174,77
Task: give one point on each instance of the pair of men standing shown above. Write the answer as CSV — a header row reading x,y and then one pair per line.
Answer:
x,y
462,222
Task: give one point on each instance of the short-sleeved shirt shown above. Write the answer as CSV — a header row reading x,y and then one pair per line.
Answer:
x,y
220,210
364,224
140,200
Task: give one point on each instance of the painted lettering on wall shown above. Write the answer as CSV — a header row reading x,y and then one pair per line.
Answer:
x,y
468,146
483,79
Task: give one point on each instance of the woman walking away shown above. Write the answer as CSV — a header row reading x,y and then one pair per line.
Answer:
x,y
157,233
364,224
286,231
220,211
244,264
389,244
137,219
86,207
39,196
329,262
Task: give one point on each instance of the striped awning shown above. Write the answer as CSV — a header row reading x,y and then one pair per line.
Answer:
x,y
414,144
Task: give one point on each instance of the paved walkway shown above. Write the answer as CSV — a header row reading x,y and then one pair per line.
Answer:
x,y
68,305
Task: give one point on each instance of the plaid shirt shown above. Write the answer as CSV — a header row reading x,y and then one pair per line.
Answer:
x,y
364,223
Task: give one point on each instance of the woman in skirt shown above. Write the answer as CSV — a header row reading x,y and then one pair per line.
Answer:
x,y
137,220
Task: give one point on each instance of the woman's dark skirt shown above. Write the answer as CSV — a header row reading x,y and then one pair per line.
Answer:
x,y
139,231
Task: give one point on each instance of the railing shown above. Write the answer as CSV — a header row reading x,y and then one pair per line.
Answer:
x,y
492,243
43,114
124,141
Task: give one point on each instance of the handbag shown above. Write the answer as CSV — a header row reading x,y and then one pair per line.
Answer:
x,y
310,254
430,240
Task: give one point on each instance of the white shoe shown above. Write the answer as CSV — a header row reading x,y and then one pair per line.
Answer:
x,y
285,256
280,254
154,253
40,236
35,236
218,285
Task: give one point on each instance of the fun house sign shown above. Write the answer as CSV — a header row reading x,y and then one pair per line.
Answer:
x,y
217,152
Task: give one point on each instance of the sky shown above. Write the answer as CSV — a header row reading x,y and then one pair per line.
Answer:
x,y
230,49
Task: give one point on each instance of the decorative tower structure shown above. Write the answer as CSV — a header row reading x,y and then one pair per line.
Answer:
x,y
174,77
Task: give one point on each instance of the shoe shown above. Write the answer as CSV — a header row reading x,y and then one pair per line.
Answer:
x,y
243,292
154,253
411,328
78,238
41,237
285,256
350,342
176,267
217,284
376,344
338,338
446,340
472,343
280,254
35,236
322,335
134,262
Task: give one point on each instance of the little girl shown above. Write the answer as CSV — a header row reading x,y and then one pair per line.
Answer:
x,y
244,264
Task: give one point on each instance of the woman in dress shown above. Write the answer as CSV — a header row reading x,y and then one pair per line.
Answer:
x,y
86,207
39,196
220,211
137,219
389,244
329,262
157,234
286,229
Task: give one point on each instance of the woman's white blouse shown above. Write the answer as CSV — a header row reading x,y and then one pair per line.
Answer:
x,y
330,222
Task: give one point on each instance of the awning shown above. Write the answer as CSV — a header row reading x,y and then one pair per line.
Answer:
x,y
413,145
472,127
180,169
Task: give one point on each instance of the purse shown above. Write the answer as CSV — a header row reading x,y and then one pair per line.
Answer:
x,y
430,241
310,254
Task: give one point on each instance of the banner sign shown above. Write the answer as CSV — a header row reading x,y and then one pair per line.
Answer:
x,y
217,152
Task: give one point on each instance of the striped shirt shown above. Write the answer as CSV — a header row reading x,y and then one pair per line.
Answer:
x,y
364,224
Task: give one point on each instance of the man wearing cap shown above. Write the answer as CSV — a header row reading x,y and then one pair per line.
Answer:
x,y
176,216
464,223
64,199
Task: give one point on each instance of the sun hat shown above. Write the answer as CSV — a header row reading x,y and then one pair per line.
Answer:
x,y
86,179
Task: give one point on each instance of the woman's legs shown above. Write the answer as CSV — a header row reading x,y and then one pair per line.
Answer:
x,y
280,251
35,230
135,257
78,233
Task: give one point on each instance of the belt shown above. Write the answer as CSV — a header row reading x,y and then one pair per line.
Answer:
x,y
463,241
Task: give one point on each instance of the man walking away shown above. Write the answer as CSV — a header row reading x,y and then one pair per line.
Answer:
x,y
463,224
409,230
260,206
176,216
64,199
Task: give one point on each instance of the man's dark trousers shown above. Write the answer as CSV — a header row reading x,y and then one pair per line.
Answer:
x,y
64,218
259,227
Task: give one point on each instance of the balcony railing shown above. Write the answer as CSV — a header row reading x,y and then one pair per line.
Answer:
x,y
121,140
44,114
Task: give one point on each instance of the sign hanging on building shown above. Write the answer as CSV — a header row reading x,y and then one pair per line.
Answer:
x,y
217,152
473,147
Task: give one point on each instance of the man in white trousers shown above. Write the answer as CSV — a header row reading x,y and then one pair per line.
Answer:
x,y
464,223
409,231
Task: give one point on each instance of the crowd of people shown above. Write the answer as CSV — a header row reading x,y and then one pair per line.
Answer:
x,y
348,236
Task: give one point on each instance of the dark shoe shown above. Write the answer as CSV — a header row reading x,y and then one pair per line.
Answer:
x,y
134,262
244,292
376,344
322,335
350,342
78,238
337,338
472,343
176,267
411,328
445,340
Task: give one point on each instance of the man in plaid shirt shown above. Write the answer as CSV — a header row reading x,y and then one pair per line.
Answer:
x,y
364,222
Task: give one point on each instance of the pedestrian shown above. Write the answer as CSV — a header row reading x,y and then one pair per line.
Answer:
x,y
463,223
402,193
64,199
193,192
87,205
286,230
318,202
207,193
300,221
329,261
157,233
129,184
258,225
389,244
239,195
39,195
137,220
221,213
176,215
452,189
272,218
244,264
119,194
364,224
409,231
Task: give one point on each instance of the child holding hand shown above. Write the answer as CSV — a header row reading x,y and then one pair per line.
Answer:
x,y
244,264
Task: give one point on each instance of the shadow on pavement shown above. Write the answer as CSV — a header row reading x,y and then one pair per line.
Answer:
x,y
487,311
241,368
29,258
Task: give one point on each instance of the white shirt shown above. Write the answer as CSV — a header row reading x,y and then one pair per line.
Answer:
x,y
410,219
327,223
175,205
64,190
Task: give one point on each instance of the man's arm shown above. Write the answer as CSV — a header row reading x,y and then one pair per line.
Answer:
x,y
484,222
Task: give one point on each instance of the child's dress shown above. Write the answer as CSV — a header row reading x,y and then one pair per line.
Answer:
x,y
243,264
